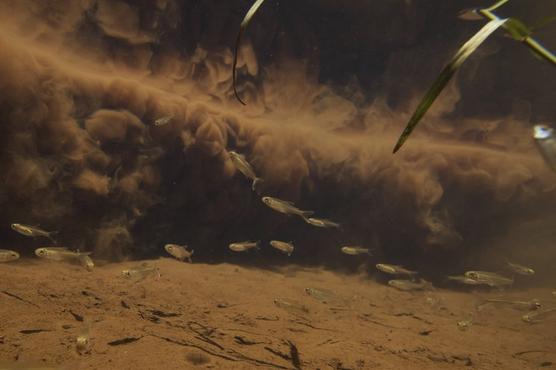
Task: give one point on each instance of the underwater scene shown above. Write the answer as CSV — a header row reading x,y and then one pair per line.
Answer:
x,y
279,184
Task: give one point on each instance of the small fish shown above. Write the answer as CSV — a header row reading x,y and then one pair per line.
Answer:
x,y
546,143
322,295
394,269
285,207
245,168
179,251
140,273
519,269
293,307
531,305
535,316
321,222
282,246
82,344
354,250
471,14
8,256
163,121
465,280
407,285
244,246
86,261
489,278
34,232
63,254
464,324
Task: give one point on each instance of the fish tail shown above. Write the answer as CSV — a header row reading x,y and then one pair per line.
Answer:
x,y
256,182
50,234
306,214
258,245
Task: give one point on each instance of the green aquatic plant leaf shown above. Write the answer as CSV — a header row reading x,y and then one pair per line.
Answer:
x,y
445,75
520,32
543,23
250,13
540,50
517,29
497,5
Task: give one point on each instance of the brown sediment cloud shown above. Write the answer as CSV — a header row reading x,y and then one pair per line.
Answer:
x,y
80,151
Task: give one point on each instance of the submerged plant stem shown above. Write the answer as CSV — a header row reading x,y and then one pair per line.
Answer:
x,y
250,13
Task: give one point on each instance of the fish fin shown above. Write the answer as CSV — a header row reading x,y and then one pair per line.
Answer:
x,y
428,284
256,182
305,214
49,236
189,259
258,245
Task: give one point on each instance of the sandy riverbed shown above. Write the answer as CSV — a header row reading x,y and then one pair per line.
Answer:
x,y
224,317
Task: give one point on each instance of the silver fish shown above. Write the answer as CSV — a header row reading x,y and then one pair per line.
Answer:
x,y
8,256
463,325
34,232
321,222
83,340
535,316
394,269
285,207
489,278
140,273
322,295
86,261
519,269
471,14
531,305
162,121
465,280
354,250
407,285
282,246
245,168
546,143
291,306
244,246
63,254
179,251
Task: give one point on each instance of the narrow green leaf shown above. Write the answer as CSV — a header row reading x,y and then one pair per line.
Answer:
x,y
543,23
531,43
497,5
517,29
445,75
540,50
250,13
